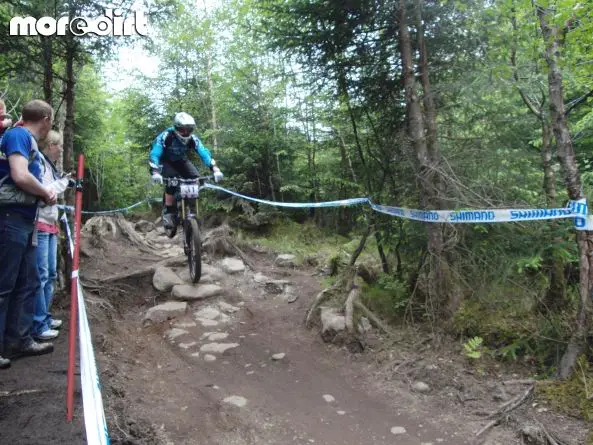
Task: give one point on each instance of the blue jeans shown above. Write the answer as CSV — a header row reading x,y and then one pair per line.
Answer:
x,y
19,280
47,251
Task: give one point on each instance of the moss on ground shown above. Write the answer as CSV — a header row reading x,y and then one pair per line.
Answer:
x,y
573,396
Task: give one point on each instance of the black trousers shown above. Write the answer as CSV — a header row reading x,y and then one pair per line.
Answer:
x,y
178,169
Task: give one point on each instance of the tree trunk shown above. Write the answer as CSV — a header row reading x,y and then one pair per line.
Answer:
x,y
314,181
345,96
553,41
342,222
48,73
68,135
69,97
279,176
548,164
271,183
347,168
381,251
555,298
416,132
212,101
434,182
67,156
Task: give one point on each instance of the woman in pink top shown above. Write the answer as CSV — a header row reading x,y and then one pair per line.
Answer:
x,y
44,326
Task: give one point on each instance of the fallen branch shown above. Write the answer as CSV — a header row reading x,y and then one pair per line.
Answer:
x,y
466,399
20,392
94,304
551,440
404,363
125,433
422,342
503,410
373,318
487,427
513,403
584,380
519,382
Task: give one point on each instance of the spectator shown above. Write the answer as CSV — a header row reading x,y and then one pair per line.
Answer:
x,y
20,192
44,326
5,121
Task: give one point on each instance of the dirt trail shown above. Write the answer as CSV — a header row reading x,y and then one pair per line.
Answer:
x,y
210,377
284,398
33,401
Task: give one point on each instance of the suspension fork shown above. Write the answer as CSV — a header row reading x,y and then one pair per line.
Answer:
x,y
196,208
186,209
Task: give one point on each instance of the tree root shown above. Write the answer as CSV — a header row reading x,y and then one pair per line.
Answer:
x,y
136,274
219,241
101,225
244,257
130,232
320,298
373,318
349,307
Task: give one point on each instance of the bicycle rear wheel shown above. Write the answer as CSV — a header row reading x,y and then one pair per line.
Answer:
x,y
194,253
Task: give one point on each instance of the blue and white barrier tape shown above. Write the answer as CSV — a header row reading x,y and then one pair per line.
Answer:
x,y
475,216
580,209
294,205
70,209
575,209
94,414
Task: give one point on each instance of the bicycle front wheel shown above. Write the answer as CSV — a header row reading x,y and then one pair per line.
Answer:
x,y
194,251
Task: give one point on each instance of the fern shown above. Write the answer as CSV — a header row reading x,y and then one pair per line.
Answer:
x,y
473,347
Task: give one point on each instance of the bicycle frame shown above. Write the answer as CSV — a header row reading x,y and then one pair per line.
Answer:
x,y
186,207
184,196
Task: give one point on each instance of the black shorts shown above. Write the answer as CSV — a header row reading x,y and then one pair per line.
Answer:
x,y
179,169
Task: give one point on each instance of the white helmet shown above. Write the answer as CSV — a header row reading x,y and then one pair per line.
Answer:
x,y
184,126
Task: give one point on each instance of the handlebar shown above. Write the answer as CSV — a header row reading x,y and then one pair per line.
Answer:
x,y
174,181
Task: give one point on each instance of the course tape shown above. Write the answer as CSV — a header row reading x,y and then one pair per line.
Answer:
x,y
94,414
475,216
575,209
295,205
70,209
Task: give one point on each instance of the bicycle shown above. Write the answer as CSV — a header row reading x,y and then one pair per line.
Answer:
x,y
188,192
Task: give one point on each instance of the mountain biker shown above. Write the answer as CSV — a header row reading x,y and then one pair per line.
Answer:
x,y
171,148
